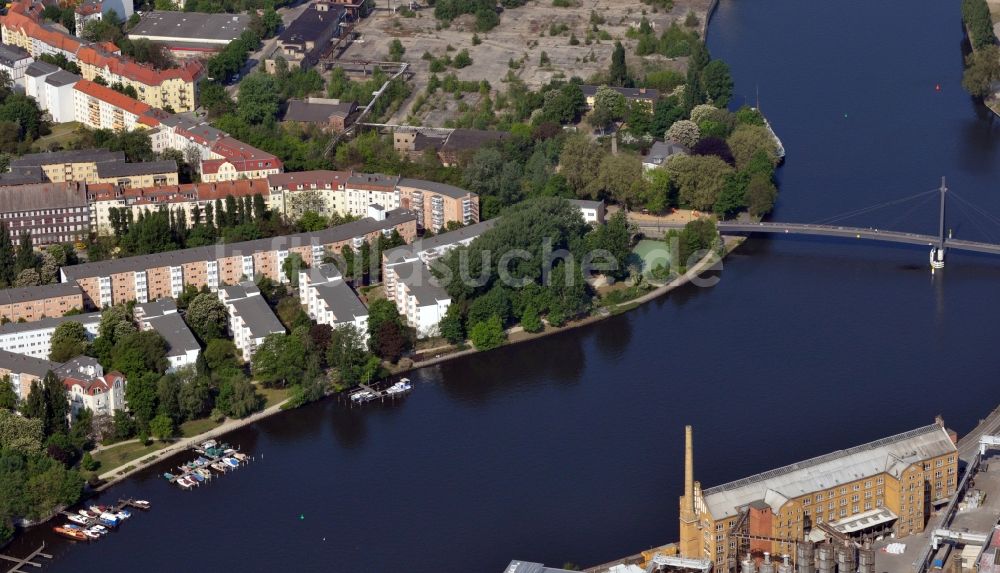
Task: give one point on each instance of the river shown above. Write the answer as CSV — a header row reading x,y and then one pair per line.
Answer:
x,y
569,448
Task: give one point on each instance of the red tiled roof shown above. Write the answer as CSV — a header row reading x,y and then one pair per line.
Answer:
x,y
242,156
306,179
112,97
179,193
94,386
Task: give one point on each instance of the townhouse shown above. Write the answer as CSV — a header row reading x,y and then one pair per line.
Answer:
x,y
166,274
29,304
232,159
251,320
328,299
162,317
410,284
35,338
14,61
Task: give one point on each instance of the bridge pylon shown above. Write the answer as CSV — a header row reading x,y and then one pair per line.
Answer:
x,y
938,251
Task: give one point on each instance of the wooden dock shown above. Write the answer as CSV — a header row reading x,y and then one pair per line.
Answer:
x,y
187,471
20,563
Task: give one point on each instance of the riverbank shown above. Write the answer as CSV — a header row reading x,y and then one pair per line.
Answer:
x,y
710,262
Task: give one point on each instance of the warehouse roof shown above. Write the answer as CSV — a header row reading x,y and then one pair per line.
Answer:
x,y
190,27
312,111
889,455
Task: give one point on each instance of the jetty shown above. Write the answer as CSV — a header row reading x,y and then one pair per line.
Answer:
x,y
21,562
367,393
211,455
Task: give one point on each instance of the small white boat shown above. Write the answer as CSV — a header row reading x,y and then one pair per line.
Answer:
x,y
91,534
209,444
99,528
122,516
231,461
79,519
401,387
141,504
185,482
87,514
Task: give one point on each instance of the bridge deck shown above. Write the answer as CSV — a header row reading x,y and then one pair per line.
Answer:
x,y
836,231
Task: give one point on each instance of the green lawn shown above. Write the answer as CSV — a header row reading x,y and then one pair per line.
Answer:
x,y
63,134
272,396
119,455
652,253
195,427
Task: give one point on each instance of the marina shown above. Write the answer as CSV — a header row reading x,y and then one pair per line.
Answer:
x,y
368,393
212,455
97,521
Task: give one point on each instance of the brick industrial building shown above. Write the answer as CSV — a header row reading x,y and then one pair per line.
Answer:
x,y
883,487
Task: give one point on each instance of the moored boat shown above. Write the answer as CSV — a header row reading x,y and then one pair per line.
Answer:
x,y
141,504
78,519
71,533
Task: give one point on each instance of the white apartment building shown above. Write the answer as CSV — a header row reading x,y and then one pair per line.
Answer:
x,y
250,318
35,338
14,61
410,284
100,107
162,317
328,299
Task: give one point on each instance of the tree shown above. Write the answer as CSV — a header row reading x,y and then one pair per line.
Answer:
x,y
697,236
618,73
615,237
976,16
207,317
451,326
8,397
196,398
239,398
760,196
346,353
24,111
140,395
291,266
168,397
7,260
396,50
381,312
162,426
982,70
717,83
748,140
69,340
21,434
530,320
733,197
488,333
26,258
714,146
462,59
579,161
620,178
28,278
259,99
392,341
139,353
279,359
609,106
47,402
685,132
699,179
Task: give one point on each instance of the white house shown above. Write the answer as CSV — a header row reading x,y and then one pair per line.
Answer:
x,y
328,299
35,338
410,284
14,61
660,152
162,317
250,318
592,211
89,387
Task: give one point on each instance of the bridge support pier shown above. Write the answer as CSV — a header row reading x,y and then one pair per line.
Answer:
x,y
937,258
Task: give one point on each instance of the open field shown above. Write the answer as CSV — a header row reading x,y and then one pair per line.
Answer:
x,y
522,36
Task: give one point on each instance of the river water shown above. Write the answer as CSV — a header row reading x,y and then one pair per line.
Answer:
x,y
570,448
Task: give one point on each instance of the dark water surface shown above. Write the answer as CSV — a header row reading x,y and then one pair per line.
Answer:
x,y
569,448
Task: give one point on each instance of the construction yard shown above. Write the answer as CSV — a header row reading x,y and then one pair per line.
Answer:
x,y
576,40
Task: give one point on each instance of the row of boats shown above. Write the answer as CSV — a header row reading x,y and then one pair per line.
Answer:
x,y
367,393
214,456
96,521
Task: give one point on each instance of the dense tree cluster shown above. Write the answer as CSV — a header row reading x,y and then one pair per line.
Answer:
x,y
21,120
484,11
976,15
674,42
982,71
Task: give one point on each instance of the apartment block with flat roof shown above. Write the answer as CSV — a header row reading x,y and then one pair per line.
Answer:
x,y
49,212
30,304
35,338
328,299
251,320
